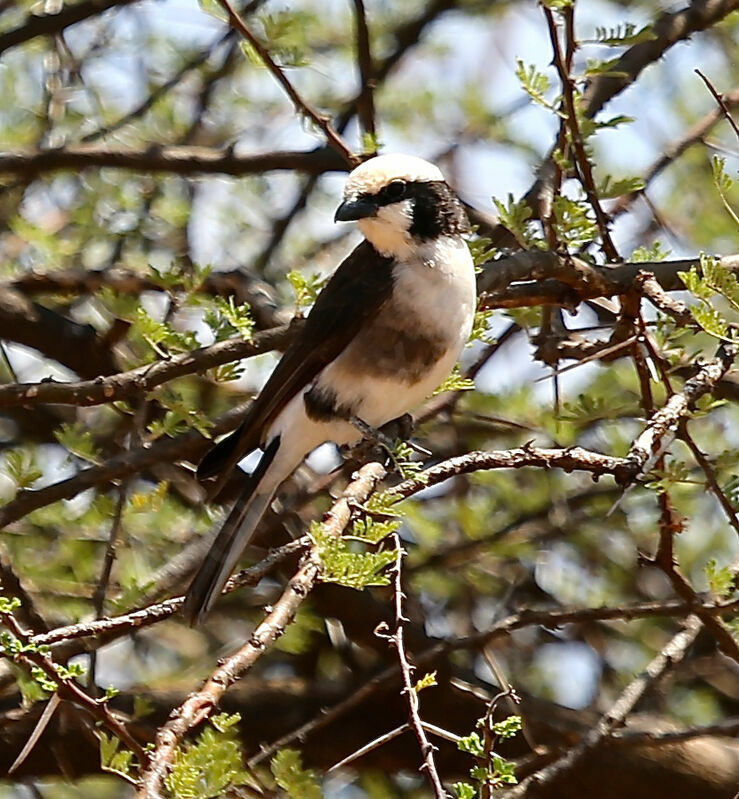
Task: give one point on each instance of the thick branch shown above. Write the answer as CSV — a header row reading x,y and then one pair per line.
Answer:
x,y
137,382
179,159
76,346
51,24
545,278
669,29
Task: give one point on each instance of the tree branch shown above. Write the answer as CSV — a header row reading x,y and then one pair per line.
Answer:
x,y
200,704
142,379
76,346
669,656
302,108
546,278
52,24
177,159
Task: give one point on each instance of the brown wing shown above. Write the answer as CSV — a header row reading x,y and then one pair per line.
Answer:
x,y
351,298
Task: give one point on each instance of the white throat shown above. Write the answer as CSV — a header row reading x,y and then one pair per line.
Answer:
x,y
389,231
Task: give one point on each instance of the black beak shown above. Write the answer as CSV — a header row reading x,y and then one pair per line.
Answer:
x,y
350,210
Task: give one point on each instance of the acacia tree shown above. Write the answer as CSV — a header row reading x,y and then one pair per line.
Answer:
x,y
557,555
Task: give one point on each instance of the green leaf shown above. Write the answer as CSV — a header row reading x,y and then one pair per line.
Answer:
x,y
227,372
297,782
573,222
503,772
306,288
646,254
472,744
623,35
285,32
370,143
179,417
343,566
507,728
481,249
77,439
42,678
300,635
514,216
9,603
226,319
721,580
145,501
596,66
427,681
161,336
113,759
404,457
710,320
206,768
455,381
214,9
21,468
534,83
372,531
481,327
142,706
464,790
723,184
713,279
609,188
224,721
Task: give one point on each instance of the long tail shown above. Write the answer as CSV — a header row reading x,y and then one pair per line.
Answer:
x,y
232,540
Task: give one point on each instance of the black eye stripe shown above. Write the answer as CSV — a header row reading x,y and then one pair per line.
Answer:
x,y
396,189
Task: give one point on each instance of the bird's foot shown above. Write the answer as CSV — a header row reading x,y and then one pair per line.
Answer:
x,y
372,434
388,437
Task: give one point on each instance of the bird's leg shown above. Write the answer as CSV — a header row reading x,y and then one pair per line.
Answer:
x,y
372,434
399,429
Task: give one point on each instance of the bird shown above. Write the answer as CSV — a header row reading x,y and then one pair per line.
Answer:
x,y
384,332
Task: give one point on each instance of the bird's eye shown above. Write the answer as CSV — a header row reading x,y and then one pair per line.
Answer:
x,y
396,189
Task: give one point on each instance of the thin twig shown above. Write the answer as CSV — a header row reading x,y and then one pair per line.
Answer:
x,y
38,731
370,747
98,599
582,161
710,474
365,100
673,151
160,91
550,619
720,100
409,689
671,524
69,689
103,631
301,106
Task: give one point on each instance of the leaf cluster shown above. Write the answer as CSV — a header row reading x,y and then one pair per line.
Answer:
x,y
346,561
712,280
207,767
492,771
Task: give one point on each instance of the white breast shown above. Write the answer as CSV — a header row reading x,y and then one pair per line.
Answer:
x,y
437,285
434,291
